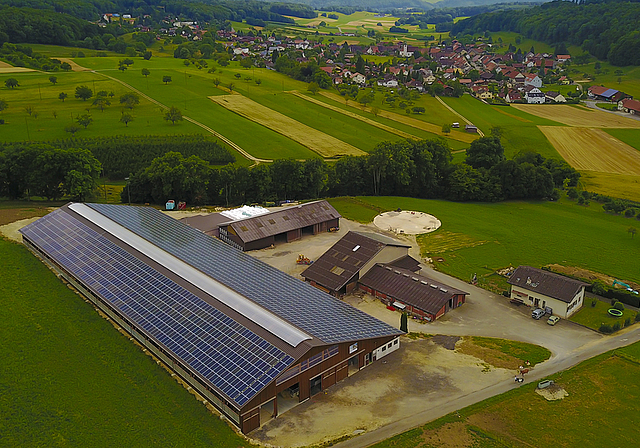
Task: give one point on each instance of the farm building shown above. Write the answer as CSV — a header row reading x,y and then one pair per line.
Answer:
x,y
541,289
416,294
208,224
248,338
630,106
338,270
285,225
606,94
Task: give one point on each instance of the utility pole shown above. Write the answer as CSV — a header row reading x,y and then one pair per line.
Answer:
x,y
27,123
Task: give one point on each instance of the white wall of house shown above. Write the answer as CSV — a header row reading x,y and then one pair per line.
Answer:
x,y
537,300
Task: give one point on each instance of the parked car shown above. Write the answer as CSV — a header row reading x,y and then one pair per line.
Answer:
x,y
537,313
544,384
553,320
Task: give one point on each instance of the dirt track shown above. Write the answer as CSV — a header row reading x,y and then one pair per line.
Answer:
x,y
573,116
593,150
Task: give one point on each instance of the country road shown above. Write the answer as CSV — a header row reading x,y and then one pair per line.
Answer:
x,y
553,365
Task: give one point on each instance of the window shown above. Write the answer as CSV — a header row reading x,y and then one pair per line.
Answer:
x,y
384,348
337,270
389,346
286,218
271,221
244,228
395,342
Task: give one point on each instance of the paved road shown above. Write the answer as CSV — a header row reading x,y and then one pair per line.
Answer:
x,y
486,314
592,105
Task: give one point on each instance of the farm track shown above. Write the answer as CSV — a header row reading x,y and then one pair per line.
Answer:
x,y
418,124
384,127
458,114
191,120
323,144
592,149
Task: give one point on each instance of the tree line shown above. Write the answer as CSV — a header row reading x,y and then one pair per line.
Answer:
x,y
46,171
121,155
608,30
421,169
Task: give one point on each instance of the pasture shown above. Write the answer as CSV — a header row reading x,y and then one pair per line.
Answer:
x,y
69,378
602,393
319,142
572,116
483,237
592,149
630,136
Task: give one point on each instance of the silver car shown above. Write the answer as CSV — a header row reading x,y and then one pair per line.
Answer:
x,y
537,313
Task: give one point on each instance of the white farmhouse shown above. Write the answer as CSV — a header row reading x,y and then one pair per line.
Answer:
x,y
540,289
535,96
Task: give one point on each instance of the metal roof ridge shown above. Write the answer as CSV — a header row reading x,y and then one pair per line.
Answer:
x,y
244,306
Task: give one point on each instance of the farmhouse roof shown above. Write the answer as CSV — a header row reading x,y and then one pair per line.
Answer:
x,y
546,283
280,221
631,104
407,287
338,265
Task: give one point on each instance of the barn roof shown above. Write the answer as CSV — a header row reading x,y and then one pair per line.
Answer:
x,y
280,221
409,288
338,265
237,322
546,283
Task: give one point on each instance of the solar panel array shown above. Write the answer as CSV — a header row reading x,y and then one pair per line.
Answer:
x,y
306,307
235,360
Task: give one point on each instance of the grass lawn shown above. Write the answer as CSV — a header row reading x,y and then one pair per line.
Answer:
x,y
594,316
603,393
480,237
520,132
68,378
535,354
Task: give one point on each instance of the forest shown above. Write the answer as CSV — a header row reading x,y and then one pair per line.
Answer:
x,y
608,30
421,169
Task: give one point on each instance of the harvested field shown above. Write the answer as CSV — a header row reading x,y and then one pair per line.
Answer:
x,y
319,142
593,150
74,66
418,124
612,184
8,68
573,116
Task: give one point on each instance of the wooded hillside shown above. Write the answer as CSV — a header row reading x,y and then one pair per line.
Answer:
x,y
608,30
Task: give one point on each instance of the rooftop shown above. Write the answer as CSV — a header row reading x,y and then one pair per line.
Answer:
x,y
546,283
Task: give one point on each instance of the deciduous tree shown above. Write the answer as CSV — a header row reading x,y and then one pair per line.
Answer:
x,y
173,114
84,93
11,83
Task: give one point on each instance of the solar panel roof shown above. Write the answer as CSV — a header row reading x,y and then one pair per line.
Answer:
x,y
233,359
314,312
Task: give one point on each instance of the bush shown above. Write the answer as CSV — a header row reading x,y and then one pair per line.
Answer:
x,y
593,303
627,322
605,328
598,288
630,212
572,193
616,327
619,306
613,301
1,121
637,319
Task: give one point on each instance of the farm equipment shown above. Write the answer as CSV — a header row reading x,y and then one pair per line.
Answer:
x,y
624,285
303,260
333,229
182,205
170,205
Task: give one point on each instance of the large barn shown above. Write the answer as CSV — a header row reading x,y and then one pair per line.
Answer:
x,y
250,339
288,224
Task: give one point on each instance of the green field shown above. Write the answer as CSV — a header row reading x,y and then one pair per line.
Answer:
x,y
69,378
630,136
480,238
520,131
602,393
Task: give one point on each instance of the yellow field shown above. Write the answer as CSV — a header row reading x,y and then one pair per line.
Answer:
x,y
8,68
573,116
418,124
615,185
319,142
593,150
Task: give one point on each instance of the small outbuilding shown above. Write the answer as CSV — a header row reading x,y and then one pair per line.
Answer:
x,y
288,224
338,270
416,294
540,289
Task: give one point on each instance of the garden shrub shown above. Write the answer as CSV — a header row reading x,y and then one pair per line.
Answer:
x,y
619,306
616,326
605,328
627,322
593,303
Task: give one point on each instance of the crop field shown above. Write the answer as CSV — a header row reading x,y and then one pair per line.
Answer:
x,y
69,378
573,116
500,234
409,121
317,141
593,150
602,393
611,184
519,129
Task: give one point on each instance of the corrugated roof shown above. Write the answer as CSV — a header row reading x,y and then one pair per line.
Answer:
x,y
206,223
407,262
546,283
412,289
338,265
280,221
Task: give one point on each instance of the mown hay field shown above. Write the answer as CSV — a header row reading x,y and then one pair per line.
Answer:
x,y
593,150
573,116
319,142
